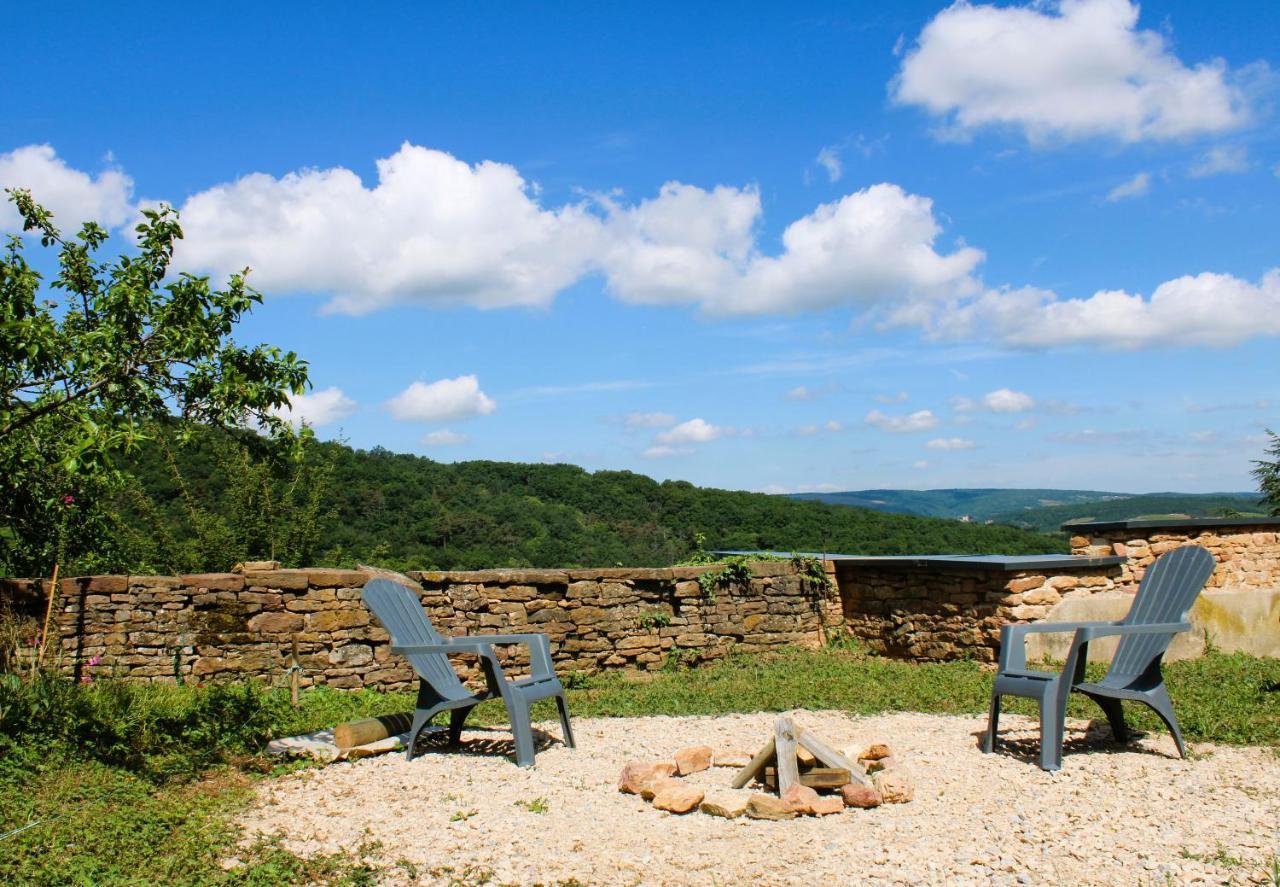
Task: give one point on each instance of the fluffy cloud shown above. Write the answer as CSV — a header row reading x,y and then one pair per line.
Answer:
x,y
1135,187
804,392
950,443
1002,400
921,420
872,248
1064,70
444,438
1203,309
319,408
434,230
1222,159
691,432
441,401
648,420
900,397
74,197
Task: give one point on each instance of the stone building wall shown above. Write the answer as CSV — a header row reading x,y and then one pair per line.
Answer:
x,y
231,625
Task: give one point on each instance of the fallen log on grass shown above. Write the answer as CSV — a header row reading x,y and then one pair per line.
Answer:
x,y
367,730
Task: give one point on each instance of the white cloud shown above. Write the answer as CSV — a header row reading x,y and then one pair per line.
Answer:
x,y
1220,160
1002,400
921,420
317,409
434,230
74,197
803,392
829,159
648,420
872,248
784,489
441,401
1005,400
444,438
1135,187
950,443
1065,70
830,427
1205,309
900,397
663,451
920,465
693,431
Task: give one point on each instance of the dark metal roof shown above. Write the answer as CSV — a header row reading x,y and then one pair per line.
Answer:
x,y
1007,563
1175,523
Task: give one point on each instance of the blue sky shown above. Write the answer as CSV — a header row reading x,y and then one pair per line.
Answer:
x,y
756,246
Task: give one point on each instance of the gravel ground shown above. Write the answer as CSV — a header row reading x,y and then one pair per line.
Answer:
x,y
1136,815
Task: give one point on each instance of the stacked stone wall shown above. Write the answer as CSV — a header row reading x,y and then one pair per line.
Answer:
x,y
234,625
1247,556
954,613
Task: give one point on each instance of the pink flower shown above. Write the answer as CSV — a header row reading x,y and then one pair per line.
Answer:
x,y
68,500
94,661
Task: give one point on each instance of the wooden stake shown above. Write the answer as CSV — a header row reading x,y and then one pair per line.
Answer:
x,y
828,755
48,614
757,765
294,671
784,739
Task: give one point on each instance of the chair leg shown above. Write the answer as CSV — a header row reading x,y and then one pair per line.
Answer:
x,y
1115,716
456,718
565,730
1050,733
521,729
1159,702
993,723
421,717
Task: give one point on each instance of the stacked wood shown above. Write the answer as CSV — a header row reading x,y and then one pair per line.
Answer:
x,y
792,757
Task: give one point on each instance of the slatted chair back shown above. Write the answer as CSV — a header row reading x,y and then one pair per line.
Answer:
x,y
401,614
1166,595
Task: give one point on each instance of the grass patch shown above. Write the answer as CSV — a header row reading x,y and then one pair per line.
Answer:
x,y
138,784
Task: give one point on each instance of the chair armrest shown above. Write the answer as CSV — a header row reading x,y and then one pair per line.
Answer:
x,y
1087,633
1013,651
540,664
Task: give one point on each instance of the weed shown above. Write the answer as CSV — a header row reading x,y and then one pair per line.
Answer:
x,y
463,815
535,805
654,619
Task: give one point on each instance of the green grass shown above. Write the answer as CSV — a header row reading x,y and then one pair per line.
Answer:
x,y
138,784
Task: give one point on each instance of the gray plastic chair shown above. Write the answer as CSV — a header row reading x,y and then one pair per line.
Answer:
x,y
1159,611
401,614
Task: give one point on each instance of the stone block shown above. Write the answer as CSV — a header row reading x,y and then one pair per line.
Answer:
x,y
214,581
276,623
335,620
281,579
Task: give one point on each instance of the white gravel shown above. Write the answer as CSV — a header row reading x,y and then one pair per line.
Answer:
x,y
1112,815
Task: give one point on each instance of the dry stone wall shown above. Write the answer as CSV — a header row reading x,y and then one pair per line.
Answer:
x,y
928,611
232,625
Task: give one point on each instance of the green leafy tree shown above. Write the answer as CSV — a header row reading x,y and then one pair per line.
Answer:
x,y
1267,471
90,360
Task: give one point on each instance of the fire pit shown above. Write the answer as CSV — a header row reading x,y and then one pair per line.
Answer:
x,y
802,773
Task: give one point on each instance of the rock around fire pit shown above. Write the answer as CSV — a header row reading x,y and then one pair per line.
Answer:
x,y
808,776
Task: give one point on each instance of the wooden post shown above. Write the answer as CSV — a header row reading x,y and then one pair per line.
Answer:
x,y
828,755
757,765
48,614
294,671
784,738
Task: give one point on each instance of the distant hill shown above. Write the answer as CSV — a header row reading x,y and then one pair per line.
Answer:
x,y
411,512
1153,505
1040,509
979,504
